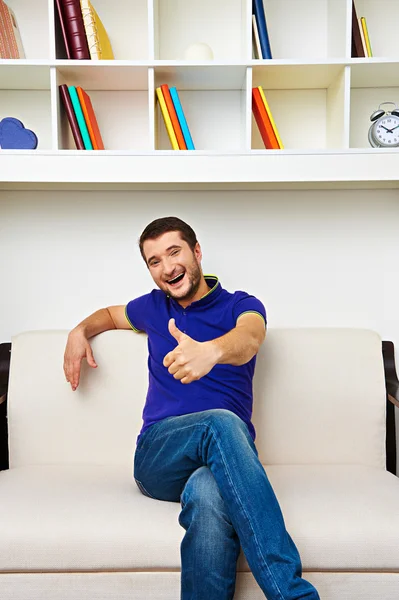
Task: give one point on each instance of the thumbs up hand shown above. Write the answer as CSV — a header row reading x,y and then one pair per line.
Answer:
x,y
190,360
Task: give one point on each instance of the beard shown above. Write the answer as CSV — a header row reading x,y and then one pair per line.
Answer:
x,y
193,274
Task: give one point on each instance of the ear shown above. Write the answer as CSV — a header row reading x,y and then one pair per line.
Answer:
x,y
198,252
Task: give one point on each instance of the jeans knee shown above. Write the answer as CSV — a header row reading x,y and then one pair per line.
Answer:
x,y
201,492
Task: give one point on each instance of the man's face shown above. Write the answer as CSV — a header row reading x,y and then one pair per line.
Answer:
x,y
174,267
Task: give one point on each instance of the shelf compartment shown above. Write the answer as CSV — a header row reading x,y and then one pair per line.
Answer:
x,y
126,22
25,95
214,104
220,24
311,114
33,22
120,100
316,29
382,26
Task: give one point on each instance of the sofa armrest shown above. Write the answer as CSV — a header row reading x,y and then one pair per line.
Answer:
x,y
5,357
391,378
392,391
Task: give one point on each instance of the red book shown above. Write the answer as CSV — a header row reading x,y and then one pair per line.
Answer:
x,y
173,117
71,17
64,35
263,121
90,118
66,100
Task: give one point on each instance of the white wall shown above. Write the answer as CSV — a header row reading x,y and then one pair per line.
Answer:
x,y
316,258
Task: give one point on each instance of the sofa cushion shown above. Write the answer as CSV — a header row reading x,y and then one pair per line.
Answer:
x,y
78,518
319,397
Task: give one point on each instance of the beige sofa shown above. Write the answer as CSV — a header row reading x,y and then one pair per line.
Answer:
x,y
73,524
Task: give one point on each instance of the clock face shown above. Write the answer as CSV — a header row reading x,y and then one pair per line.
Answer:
x,y
386,131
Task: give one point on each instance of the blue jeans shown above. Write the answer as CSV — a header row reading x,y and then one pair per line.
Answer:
x,y
208,461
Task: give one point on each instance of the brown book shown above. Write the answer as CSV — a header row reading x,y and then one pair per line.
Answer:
x,y
67,102
357,46
74,29
62,27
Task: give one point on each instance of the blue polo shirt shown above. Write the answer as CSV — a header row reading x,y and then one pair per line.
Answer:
x,y
216,313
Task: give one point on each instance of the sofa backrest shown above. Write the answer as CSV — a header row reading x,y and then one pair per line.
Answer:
x,y
319,398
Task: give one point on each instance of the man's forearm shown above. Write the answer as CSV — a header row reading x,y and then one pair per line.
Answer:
x,y
96,323
236,347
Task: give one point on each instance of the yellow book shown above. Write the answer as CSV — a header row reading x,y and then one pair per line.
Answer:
x,y
366,36
269,113
166,118
97,38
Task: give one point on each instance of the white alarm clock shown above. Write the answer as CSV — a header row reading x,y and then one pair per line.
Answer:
x,y
384,130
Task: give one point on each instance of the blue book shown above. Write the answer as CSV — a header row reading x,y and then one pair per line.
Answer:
x,y
259,12
182,118
80,117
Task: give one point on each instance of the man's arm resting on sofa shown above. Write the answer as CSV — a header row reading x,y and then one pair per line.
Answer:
x,y
78,347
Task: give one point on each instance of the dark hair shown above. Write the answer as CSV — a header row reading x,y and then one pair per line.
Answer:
x,y
163,225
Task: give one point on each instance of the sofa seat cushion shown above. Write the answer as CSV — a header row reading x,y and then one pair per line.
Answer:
x,y
79,518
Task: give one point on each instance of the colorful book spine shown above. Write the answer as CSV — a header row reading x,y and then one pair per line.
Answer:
x,y
182,118
173,117
269,114
90,118
80,117
259,12
73,123
363,40
167,120
263,122
10,38
366,36
357,46
71,13
255,38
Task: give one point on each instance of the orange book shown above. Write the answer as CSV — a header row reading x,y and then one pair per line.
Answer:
x,y
90,118
263,121
173,117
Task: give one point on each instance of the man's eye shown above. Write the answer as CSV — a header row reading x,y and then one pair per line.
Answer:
x,y
175,252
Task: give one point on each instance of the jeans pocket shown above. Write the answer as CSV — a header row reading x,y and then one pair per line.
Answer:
x,y
143,490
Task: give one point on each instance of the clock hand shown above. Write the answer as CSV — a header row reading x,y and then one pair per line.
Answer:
x,y
385,128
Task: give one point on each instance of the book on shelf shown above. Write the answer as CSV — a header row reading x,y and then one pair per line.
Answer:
x,y
255,39
80,117
10,37
73,29
366,36
167,119
97,38
271,119
363,39
73,123
357,45
173,117
262,120
182,119
259,12
90,118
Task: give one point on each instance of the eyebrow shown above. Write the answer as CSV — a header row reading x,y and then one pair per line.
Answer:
x,y
167,250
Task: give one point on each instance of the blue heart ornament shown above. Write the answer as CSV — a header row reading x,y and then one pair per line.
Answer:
x,y
14,135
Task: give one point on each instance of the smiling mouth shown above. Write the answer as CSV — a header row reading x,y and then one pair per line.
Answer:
x,y
176,279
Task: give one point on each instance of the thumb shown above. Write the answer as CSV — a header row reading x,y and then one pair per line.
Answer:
x,y
90,358
175,331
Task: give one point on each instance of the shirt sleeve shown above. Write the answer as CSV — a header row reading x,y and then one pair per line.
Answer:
x,y
246,303
137,312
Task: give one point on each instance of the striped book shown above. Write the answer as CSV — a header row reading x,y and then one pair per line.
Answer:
x,y
10,37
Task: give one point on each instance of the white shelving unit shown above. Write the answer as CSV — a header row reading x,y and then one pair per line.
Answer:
x,y
321,98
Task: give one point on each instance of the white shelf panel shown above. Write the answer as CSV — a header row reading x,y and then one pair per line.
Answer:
x,y
196,168
219,24
33,22
374,73
299,76
104,77
20,75
306,30
202,77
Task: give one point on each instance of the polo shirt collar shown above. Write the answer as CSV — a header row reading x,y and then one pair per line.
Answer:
x,y
211,295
